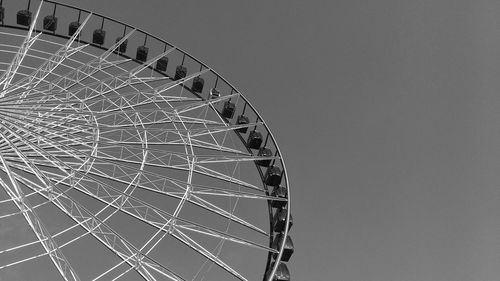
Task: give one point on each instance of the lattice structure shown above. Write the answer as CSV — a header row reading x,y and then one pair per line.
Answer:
x,y
146,154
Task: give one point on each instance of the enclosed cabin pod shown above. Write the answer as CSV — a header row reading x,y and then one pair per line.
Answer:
x,y
24,17
142,53
242,120
228,109
279,192
198,83
50,23
273,176
123,46
73,27
214,93
161,64
254,139
279,220
98,36
287,251
264,152
282,273
180,72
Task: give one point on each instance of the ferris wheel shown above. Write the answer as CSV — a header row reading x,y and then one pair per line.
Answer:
x,y
122,157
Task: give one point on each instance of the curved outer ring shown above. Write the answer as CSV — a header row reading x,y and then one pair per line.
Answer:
x,y
268,131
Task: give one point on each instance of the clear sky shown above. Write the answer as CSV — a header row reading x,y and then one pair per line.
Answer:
x,y
387,114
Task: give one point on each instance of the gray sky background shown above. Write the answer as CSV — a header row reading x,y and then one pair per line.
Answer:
x,y
387,113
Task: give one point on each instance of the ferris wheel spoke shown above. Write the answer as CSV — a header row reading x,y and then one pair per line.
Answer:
x,y
107,85
196,144
59,154
224,213
128,205
59,135
209,146
40,106
174,111
29,163
93,187
182,237
134,99
76,76
54,61
36,189
39,75
224,236
7,77
159,218
36,256
56,119
211,159
62,84
156,92
57,114
150,95
61,94
28,195
101,231
122,175
113,83
127,138
221,176
197,168
166,158
85,71
14,141
61,123
120,124
156,131
55,128
160,188
122,169
222,192
116,120
132,102
28,136
48,163
16,63
205,103
44,237
220,129
83,148
170,85
128,80
160,157
63,167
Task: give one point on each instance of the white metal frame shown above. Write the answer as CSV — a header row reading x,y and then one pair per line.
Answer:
x,y
103,132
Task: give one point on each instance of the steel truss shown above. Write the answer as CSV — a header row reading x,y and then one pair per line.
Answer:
x,y
109,128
